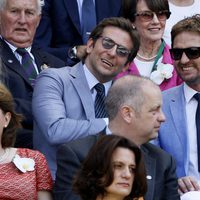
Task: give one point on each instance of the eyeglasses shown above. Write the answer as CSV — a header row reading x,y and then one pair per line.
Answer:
x,y
147,16
191,53
108,43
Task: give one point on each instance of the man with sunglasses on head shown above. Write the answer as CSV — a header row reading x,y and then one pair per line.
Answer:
x,y
67,103
180,133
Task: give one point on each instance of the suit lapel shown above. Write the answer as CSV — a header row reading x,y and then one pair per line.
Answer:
x,y
150,165
81,85
40,59
11,61
177,110
72,9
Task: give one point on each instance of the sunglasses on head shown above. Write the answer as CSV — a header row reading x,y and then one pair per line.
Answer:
x,y
191,53
148,15
108,43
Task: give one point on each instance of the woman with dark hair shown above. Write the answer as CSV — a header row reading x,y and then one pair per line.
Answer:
x,y
23,172
113,170
153,58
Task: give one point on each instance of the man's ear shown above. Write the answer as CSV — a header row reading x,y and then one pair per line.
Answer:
x,y
90,45
127,113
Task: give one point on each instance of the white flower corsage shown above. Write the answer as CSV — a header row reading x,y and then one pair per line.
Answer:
x,y
164,71
24,164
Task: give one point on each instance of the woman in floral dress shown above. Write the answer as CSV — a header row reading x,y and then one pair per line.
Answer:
x,y
24,174
153,58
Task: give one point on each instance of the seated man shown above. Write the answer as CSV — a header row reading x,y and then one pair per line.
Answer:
x,y
68,103
62,34
179,135
134,111
21,62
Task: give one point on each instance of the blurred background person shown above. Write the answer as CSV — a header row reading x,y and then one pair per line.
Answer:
x,y
23,172
62,27
179,10
153,58
113,169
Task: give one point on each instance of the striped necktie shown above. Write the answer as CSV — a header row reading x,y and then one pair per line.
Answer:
x,y
99,105
88,19
28,65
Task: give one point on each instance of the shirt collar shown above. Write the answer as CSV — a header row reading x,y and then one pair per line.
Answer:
x,y
13,48
92,81
188,92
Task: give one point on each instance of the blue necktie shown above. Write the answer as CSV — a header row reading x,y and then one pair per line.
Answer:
x,y
88,19
99,105
28,65
197,97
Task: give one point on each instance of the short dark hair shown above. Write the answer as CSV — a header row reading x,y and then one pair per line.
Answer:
x,y
97,172
7,105
129,7
188,24
122,24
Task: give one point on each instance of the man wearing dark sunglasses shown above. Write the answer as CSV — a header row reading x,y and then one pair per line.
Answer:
x,y
66,103
180,134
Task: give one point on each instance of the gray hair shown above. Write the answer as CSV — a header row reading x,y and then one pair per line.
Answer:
x,y
128,90
40,3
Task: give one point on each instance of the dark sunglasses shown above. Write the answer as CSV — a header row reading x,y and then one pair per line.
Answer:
x,y
148,15
191,53
108,43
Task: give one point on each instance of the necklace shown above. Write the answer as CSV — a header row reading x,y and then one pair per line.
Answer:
x,y
4,155
145,58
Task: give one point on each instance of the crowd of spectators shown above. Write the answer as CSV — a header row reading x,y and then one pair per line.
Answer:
x,y
100,99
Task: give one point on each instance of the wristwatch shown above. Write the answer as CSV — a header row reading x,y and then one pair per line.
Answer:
x,y
72,53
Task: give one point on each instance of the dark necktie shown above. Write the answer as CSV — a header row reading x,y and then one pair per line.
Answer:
x,y
88,19
27,64
99,105
197,97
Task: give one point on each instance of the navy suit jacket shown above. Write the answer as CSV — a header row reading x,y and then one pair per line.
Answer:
x,y
17,82
60,26
160,167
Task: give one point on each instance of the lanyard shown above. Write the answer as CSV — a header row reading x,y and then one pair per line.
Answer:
x,y
160,51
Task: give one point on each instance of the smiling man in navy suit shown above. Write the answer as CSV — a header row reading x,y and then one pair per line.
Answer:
x,y
18,22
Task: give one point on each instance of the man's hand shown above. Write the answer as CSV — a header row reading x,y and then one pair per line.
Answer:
x,y
187,184
81,52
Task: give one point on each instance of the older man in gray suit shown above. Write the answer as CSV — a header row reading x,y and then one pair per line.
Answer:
x,y
63,99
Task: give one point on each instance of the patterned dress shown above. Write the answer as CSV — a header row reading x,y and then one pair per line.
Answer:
x,y
17,185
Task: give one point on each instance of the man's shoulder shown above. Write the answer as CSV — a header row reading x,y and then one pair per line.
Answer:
x,y
78,144
155,151
172,92
49,58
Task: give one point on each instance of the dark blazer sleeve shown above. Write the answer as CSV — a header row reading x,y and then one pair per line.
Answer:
x,y
56,32
67,165
164,170
69,159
